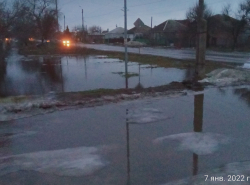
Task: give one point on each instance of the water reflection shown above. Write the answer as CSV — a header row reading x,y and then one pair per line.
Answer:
x,y
197,125
198,122
139,85
128,149
38,75
244,94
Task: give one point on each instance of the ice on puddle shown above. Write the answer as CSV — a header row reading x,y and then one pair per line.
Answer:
x,y
146,115
199,143
246,65
231,169
67,162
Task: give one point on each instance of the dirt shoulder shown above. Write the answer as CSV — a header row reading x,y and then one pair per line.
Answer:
x,y
24,106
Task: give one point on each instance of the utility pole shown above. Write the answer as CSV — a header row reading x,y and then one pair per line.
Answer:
x,y
82,20
64,23
151,22
201,35
57,16
125,42
82,27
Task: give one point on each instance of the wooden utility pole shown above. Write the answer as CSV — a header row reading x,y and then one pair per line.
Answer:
x,y
57,16
125,42
201,35
64,23
151,22
82,21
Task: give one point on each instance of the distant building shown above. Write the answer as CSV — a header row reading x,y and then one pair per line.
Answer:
x,y
115,33
170,33
140,30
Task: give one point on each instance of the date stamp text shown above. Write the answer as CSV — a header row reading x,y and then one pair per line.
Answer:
x,y
228,178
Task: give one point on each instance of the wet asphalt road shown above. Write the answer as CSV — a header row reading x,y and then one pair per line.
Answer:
x,y
143,142
232,57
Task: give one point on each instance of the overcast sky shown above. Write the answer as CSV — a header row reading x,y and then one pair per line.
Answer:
x,y
108,13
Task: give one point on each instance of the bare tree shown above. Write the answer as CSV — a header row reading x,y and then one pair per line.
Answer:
x,y
44,15
8,16
193,14
235,25
95,29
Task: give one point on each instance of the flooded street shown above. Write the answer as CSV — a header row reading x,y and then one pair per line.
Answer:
x,y
142,142
36,75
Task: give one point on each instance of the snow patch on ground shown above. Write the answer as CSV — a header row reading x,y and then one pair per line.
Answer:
x,y
101,56
146,115
246,65
21,107
67,162
231,169
227,76
135,43
199,143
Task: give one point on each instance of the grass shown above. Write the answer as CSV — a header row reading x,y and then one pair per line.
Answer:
x,y
14,99
97,93
129,74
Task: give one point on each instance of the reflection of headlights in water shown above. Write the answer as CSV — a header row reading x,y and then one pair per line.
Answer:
x,y
68,45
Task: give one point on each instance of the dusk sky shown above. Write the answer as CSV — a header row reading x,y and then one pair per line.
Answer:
x,y
108,13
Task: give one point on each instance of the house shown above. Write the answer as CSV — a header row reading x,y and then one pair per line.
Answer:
x,y
118,32
221,32
140,30
115,36
170,33
95,37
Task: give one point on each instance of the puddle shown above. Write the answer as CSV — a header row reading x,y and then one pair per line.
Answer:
x,y
67,162
41,75
156,141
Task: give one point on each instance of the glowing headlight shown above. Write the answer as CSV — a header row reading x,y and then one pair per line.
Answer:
x,y
68,42
64,42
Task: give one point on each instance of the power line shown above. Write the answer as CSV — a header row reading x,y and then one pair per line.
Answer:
x,y
174,10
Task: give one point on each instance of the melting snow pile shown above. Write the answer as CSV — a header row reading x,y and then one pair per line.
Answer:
x,y
196,142
227,76
145,115
68,162
246,66
135,43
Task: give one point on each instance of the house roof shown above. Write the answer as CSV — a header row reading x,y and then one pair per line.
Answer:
x,y
142,29
169,26
104,32
117,30
185,22
138,23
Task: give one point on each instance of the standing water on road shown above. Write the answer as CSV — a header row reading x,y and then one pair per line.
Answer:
x,y
37,75
151,141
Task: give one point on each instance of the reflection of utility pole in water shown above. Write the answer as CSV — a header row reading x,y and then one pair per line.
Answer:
x,y
62,75
128,151
85,68
201,36
198,121
139,85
